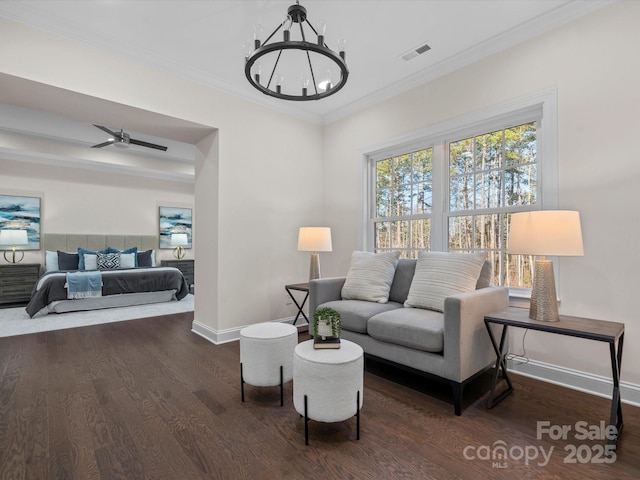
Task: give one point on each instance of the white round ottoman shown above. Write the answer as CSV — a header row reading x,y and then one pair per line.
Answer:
x,y
328,383
266,355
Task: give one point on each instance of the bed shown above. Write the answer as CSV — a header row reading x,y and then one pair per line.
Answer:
x,y
125,285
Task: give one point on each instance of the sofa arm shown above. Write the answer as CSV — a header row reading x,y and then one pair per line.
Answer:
x,y
467,346
323,290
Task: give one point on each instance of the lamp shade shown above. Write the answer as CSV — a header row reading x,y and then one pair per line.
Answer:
x,y
546,232
314,239
179,239
13,237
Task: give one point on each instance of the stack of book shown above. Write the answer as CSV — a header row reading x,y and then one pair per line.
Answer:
x,y
326,342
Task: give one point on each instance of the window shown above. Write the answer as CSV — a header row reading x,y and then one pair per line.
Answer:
x,y
454,187
490,176
404,198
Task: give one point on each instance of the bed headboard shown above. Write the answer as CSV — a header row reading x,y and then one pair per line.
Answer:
x,y
69,242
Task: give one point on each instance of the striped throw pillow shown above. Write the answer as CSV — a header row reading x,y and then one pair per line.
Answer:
x,y
370,275
442,274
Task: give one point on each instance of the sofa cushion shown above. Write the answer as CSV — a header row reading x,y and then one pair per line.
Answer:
x,y
402,280
370,276
356,313
410,327
442,274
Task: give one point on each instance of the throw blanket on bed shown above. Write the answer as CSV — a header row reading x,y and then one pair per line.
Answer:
x,y
83,285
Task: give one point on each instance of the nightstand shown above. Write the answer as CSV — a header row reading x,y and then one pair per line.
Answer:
x,y
186,266
17,281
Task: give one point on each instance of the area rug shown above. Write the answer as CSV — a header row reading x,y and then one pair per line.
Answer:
x,y
15,321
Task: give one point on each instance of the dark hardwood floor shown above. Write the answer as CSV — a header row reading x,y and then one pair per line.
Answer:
x,y
148,399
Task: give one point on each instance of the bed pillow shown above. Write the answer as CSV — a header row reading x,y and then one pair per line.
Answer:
x,y
51,261
128,260
145,258
370,275
108,261
442,274
82,252
67,261
133,250
90,261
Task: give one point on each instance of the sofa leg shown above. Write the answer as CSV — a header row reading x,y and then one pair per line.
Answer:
x,y
457,396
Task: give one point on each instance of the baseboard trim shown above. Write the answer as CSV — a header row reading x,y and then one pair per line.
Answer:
x,y
218,337
546,372
576,380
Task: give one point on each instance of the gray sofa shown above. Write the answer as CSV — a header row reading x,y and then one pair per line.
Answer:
x,y
452,346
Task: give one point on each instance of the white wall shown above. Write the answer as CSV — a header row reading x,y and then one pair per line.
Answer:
x,y
256,183
83,201
592,64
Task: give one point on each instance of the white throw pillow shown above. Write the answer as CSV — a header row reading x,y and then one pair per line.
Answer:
x,y
442,274
128,260
370,276
90,261
51,261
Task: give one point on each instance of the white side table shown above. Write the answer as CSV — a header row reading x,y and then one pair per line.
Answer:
x,y
328,383
266,355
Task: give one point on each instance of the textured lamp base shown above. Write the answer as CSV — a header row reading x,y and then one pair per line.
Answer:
x,y
178,252
314,268
544,302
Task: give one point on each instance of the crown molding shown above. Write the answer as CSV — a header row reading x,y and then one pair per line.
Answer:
x,y
542,24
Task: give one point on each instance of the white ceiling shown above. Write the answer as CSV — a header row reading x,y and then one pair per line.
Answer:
x,y
203,40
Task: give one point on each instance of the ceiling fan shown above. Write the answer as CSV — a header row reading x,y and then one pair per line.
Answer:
x,y
123,140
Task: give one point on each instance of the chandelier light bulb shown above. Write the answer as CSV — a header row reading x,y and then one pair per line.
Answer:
x,y
342,47
258,71
279,81
326,83
305,85
248,49
321,29
258,31
288,21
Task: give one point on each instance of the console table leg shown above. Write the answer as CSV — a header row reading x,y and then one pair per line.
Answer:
x,y
616,402
501,364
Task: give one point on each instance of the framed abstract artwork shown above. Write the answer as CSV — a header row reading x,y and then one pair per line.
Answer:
x,y
174,220
21,213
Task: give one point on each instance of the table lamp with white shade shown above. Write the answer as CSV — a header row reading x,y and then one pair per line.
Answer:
x,y
13,238
179,240
314,239
545,232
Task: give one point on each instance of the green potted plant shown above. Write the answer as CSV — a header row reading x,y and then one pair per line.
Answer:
x,y
326,323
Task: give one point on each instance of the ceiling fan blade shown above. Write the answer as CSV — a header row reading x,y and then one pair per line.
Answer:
x,y
100,145
105,129
147,144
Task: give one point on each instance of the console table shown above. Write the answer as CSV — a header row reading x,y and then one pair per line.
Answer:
x,y
598,330
301,287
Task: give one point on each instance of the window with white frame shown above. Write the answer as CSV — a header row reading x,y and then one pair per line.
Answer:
x,y
455,188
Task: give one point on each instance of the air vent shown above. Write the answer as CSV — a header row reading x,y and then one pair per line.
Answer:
x,y
414,52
